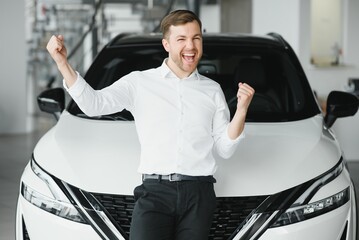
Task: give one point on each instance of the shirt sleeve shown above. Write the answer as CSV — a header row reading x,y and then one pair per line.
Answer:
x,y
114,98
224,145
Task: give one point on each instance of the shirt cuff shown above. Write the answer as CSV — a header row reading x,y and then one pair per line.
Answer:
x,y
234,141
77,88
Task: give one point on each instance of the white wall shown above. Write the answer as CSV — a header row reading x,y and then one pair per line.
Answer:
x,y
291,19
281,16
351,32
13,54
326,25
210,16
236,16
326,79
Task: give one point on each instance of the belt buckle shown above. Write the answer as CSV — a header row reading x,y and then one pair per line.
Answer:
x,y
170,177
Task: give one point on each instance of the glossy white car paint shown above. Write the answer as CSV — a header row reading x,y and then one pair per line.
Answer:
x,y
103,156
266,162
97,156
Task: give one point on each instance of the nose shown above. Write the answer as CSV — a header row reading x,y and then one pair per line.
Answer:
x,y
190,44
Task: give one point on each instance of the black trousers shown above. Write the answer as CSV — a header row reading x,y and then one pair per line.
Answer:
x,y
173,210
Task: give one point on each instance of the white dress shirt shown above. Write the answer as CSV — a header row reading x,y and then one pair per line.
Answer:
x,y
179,122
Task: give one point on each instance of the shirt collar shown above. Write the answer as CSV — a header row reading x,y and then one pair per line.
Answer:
x,y
166,72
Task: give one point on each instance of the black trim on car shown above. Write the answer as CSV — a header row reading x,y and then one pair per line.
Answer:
x,y
279,38
255,224
268,212
344,235
93,215
275,205
84,208
357,210
25,234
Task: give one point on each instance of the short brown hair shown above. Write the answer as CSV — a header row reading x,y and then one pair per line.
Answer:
x,y
178,17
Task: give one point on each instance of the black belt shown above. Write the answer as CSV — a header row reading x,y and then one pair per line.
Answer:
x,y
178,177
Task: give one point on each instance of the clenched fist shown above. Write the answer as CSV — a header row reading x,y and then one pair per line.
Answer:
x,y
244,95
57,49
58,52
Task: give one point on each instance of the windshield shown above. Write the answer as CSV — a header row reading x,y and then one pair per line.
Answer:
x,y
282,91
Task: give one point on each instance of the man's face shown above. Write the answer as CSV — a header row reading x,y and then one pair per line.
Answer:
x,y
184,47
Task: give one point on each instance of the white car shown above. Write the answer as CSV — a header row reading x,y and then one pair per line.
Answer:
x,y
287,180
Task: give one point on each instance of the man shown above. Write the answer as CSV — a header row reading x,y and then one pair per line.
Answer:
x,y
190,120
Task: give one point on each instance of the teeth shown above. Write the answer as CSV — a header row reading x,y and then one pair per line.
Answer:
x,y
188,54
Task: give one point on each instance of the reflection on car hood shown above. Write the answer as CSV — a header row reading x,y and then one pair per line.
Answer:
x,y
103,156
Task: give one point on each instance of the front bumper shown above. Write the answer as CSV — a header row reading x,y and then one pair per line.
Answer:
x,y
339,223
43,226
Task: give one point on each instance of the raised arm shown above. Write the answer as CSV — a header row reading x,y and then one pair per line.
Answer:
x,y
58,52
245,94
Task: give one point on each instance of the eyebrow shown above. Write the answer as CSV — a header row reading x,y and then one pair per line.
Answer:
x,y
184,36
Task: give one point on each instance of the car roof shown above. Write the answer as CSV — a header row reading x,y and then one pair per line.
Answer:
x,y
271,39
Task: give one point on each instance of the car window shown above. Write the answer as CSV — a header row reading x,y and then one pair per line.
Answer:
x,y
282,91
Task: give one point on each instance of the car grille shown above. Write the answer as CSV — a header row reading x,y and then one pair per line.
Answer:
x,y
230,212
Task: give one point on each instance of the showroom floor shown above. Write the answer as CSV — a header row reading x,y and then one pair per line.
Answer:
x,y
15,151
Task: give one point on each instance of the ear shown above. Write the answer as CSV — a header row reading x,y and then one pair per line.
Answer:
x,y
165,45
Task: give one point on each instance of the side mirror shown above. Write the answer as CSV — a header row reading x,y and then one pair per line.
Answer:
x,y
52,101
340,104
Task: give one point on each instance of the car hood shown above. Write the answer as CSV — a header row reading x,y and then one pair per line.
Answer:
x,y
103,156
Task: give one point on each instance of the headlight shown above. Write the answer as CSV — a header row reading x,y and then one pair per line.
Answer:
x,y
59,205
301,213
302,210
293,205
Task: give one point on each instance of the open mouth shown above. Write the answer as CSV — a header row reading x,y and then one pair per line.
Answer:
x,y
189,57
